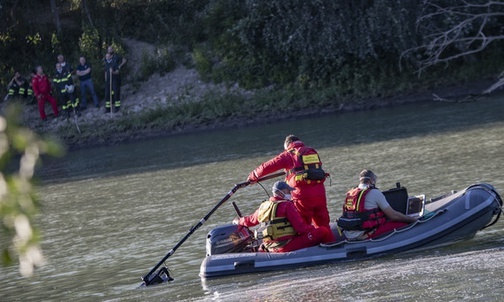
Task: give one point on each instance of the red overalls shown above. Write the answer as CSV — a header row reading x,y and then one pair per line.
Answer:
x,y
42,89
309,198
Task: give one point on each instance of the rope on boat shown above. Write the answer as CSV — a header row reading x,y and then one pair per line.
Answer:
x,y
496,196
497,217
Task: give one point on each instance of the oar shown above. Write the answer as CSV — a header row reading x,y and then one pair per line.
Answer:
x,y
110,98
163,274
237,210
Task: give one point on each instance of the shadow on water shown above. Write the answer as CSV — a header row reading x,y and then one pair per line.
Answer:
x,y
364,127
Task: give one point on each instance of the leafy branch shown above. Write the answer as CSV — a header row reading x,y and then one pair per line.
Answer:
x,y
20,150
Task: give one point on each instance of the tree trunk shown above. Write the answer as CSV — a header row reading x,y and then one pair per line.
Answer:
x,y
13,11
86,12
56,17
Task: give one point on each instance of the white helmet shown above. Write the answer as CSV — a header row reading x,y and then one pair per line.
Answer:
x,y
69,88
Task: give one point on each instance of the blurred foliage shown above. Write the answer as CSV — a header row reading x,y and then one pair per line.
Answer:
x,y
20,150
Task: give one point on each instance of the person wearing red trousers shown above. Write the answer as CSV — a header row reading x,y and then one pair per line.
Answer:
x,y
282,228
304,173
42,89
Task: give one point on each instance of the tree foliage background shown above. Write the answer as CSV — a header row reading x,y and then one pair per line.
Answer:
x,y
354,46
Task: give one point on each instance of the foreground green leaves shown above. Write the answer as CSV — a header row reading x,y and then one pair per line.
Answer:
x,y
20,150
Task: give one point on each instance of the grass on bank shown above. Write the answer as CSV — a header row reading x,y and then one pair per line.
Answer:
x,y
215,110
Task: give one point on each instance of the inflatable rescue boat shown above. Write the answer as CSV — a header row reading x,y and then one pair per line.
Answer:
x,y
446,219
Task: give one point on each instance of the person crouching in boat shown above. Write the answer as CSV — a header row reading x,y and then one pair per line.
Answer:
x,y
282,228
366,212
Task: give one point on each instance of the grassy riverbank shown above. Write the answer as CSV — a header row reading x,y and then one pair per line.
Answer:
x,y
221,108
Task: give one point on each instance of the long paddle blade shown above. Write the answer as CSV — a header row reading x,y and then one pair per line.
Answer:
x,y
163,275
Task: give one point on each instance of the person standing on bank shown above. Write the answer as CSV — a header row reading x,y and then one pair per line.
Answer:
x,y
282,228
113,64
86,83
366,212
64,65
303,172
65,87
42,89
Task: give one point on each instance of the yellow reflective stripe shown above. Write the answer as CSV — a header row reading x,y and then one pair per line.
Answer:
x,y
300,176
359,199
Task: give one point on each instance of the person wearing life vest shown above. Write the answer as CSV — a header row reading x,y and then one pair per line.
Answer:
x,y
366,212
42,89
281,227
65,87
304,173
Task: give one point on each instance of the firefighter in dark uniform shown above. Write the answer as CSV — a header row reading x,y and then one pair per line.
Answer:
x,y
64,84
19,86
113,64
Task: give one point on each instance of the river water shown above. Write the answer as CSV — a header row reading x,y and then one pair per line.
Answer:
x,y
110,214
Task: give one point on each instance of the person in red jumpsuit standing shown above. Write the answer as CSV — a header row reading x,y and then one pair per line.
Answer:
x,y
303,172
42,89
282,228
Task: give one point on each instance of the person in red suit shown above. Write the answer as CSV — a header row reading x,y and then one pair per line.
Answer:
x,y
42,89
304,172
282,229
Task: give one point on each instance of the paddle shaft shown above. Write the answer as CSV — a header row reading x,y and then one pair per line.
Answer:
x,y
237,210
110,93
204,219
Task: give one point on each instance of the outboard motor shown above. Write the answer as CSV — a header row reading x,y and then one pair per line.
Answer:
x,y
229,238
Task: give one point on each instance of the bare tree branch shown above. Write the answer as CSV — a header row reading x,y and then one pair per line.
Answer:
x,y
496,85
85,8
455,31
